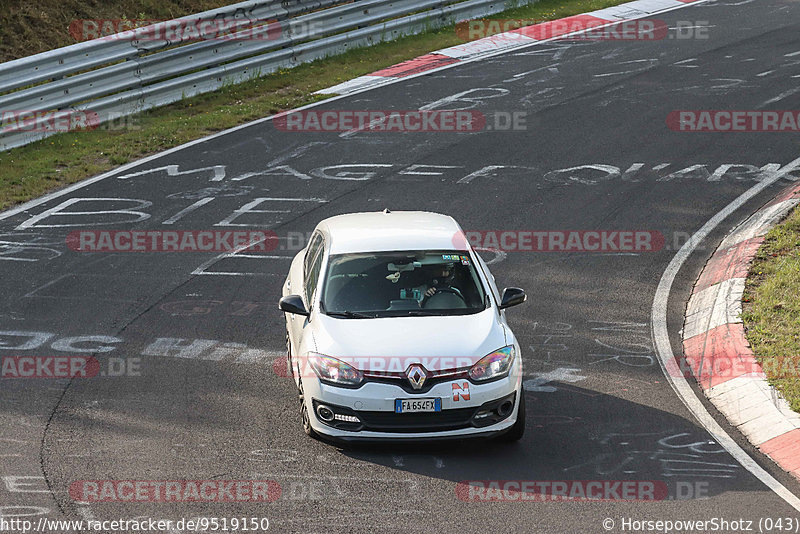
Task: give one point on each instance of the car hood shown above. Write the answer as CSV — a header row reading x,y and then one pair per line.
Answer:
x,y
393,343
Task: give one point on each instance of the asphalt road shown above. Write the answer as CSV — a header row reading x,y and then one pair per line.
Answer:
x,y
204,330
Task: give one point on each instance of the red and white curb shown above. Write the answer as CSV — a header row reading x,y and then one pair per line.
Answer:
x,y
717,352
506,41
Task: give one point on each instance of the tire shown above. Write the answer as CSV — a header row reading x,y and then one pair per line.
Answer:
x,y
516,432
305,417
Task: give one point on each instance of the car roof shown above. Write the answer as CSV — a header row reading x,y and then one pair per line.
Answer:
x,y
384,231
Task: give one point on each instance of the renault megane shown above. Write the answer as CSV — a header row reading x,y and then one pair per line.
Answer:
x,y
396,330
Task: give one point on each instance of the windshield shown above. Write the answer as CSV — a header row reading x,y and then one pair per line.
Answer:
x,y
392,284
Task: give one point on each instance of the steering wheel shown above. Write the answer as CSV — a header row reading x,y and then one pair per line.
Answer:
x,y
452,290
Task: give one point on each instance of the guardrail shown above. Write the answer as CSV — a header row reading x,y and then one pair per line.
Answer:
x,y
111,77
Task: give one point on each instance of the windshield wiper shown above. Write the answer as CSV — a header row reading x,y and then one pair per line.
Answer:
x,y
440,312
350,315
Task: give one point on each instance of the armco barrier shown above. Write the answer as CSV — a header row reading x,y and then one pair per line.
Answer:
x,y
131,71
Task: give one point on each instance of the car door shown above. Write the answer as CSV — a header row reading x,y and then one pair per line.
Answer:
x,y
305,287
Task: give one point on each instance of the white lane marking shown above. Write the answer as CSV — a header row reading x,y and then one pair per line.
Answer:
x,y
759,223
551,68
236,253
412,170
174,170
248,208
178,216
485,171
650,61
499,255
59,211
780,97
74,187
562,374
664,349
792,54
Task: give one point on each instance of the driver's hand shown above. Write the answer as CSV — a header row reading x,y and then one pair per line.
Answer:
x,y
430,292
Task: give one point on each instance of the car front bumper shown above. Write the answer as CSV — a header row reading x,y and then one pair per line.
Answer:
x,y
467,409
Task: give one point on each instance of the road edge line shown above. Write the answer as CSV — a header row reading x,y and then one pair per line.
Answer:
x,y
667,359
718,353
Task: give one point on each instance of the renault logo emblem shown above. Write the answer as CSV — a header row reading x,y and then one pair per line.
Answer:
x,y
416,375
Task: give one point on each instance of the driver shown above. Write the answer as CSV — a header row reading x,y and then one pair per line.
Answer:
x,y
442,277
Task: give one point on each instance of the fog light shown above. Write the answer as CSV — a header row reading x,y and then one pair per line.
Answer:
x,y
325,413
347,418
505,408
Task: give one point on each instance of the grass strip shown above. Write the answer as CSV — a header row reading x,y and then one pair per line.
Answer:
x,y
772,307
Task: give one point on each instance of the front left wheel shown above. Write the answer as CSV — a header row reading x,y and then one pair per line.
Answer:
x,y
518,429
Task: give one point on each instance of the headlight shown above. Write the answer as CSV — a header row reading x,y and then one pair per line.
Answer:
x,y
334,371
494,365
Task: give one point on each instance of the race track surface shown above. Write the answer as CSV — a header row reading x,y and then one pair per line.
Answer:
x,y
209,403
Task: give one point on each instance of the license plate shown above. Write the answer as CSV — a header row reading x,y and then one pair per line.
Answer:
x,y
417,405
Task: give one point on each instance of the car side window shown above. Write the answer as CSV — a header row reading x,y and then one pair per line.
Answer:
x,y
489,277
313,247
313,266
313,276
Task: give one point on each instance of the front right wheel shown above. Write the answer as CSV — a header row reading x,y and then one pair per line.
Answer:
x,y
304,415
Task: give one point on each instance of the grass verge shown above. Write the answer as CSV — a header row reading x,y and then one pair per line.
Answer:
x,y
30,171
772,308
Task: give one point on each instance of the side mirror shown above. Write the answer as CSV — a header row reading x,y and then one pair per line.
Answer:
x,y
293,304
511,297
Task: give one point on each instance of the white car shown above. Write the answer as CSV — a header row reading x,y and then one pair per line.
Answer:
x,y
396,330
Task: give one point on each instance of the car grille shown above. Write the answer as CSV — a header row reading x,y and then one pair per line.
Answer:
x,y
417,422
400,380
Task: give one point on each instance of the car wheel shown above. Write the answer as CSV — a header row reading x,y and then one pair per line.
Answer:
x,y
518,430
304,415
